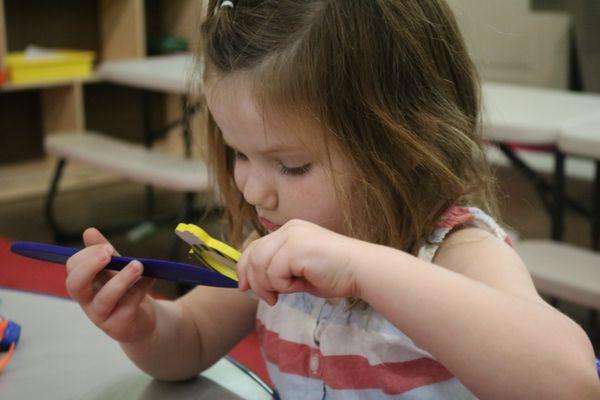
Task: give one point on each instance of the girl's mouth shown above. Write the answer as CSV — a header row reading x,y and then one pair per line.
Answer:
x,y
268,225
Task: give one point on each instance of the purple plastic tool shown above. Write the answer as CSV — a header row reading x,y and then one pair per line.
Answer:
x,y
168,270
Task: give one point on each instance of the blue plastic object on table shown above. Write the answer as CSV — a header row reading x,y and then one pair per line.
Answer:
x,y
11,335
168,270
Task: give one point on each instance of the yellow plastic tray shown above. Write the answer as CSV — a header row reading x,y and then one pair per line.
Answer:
x,y
66,64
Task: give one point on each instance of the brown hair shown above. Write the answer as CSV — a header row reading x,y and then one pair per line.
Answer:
x,y
391,83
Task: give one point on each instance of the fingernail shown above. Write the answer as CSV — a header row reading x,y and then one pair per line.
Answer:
x,y
108,251
136,266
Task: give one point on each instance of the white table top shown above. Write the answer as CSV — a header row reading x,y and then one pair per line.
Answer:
x,y
582,139
61,355
171,73
512,113
534,115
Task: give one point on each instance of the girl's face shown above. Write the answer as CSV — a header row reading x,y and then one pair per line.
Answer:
x,y
275,169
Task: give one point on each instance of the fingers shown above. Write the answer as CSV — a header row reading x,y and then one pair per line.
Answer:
x,y
114,301
253,267
126,314
82,269
134,296
100,253
114,291
242,266
259,283
280,275
92,236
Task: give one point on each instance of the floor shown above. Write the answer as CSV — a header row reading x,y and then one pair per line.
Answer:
x,y
24,220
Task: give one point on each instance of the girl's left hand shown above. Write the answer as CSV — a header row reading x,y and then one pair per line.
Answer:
x,y
299,257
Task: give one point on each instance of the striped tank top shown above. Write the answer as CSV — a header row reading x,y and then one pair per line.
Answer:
x,y
315,349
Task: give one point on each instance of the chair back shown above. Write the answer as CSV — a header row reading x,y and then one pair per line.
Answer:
x,y
512,44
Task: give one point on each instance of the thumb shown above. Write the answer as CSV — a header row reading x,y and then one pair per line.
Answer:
x,y
92,236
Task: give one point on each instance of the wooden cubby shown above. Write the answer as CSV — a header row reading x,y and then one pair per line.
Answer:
x,y
114,29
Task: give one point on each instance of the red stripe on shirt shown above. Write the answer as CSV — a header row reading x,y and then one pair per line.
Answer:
x,y
353,372
455,216
290,357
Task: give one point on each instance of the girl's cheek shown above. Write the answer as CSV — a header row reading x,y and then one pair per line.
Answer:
x,y
240,175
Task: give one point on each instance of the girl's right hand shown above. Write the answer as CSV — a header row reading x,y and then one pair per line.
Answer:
x,y
116,302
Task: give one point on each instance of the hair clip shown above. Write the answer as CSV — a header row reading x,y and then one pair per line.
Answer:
x,y
226,3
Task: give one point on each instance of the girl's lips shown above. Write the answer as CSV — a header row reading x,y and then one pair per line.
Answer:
x,y
268,224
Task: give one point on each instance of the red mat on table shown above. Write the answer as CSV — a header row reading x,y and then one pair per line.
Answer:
x,y
21,273
17,272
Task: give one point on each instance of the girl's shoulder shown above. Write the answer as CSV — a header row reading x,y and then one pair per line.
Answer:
x,y
457,218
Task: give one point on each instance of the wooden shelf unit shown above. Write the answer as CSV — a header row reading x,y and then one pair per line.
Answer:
x,y
2,36
114,29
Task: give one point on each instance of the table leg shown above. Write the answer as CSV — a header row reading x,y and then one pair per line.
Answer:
x,y
539,184
558,206
58,234
188,112
596,210
148,141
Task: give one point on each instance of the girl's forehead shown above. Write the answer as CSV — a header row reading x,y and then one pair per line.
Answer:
x,y
236,109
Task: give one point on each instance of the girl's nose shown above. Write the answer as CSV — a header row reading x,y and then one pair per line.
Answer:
x,y
260,191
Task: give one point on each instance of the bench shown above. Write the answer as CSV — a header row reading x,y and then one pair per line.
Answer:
x,y
131,161
563,271
582,139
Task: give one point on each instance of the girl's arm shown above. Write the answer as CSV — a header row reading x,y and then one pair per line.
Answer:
x,y
476,310
167,340
193,332
196,330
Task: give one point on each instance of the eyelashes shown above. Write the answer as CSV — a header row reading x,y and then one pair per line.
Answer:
x,y
239,156
283,169
296,171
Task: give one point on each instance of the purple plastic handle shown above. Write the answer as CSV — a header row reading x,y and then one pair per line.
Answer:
x,y
168,270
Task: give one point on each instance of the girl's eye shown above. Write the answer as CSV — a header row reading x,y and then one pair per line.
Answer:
x,y
295,171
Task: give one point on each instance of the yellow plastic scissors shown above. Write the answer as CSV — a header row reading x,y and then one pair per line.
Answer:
x,y
209,251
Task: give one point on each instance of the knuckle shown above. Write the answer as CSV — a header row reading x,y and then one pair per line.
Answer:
x,y
294,237
70,264
110,330
279,285
240,268
274,275
127,313
73,289
254,260
119,286
284,285
102,308
294,223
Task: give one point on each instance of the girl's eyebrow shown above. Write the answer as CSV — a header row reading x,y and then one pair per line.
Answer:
x,y
279,149
271,150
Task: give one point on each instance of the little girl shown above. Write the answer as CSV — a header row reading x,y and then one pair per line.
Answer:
x,y
344,136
